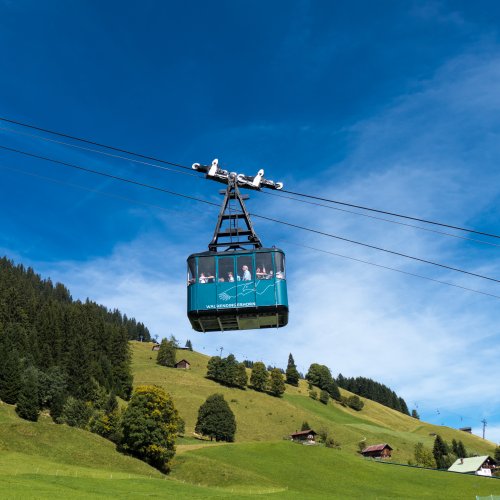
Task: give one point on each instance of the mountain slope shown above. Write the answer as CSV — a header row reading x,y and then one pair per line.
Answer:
x,y
261,417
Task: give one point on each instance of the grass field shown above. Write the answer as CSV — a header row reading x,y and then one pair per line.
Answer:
x,y
44,460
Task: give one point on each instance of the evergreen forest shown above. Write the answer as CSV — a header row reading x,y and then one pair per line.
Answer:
x,y
58,348
368,388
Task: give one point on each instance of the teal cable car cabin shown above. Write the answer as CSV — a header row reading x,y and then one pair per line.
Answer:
x,y
237,284
237,290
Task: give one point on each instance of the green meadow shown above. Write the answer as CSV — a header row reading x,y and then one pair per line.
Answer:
x,y
45,460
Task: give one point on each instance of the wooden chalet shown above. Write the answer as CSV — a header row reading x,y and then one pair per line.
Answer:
x,y
183,364
307,436
156,347
377,451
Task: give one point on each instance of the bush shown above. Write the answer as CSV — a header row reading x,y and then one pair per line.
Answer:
x,y
324,397
331,443
355,403
313,394
106,425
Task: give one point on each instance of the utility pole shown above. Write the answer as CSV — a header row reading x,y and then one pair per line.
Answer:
x,y
221,349
484,425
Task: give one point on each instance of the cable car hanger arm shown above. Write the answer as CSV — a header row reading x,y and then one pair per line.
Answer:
x,y
256,182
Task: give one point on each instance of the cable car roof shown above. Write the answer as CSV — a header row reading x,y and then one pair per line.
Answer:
x,y
229,253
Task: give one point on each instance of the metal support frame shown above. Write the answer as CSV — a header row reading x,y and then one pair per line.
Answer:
x,y
234,233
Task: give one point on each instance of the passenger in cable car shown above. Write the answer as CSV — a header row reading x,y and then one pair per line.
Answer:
x,y
230,276
206,279
262,275
246,274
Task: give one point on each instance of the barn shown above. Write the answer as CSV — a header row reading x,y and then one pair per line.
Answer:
x,y
377,451
183,364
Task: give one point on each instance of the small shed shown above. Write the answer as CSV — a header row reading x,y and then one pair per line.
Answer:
x,y
481,466
466,429
307,436
156,347
377,451
183,364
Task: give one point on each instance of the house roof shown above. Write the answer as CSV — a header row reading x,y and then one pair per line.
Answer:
x,y
303,433
471,464
185,361
376,447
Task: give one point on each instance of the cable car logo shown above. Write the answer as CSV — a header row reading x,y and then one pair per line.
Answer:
x,y
247,288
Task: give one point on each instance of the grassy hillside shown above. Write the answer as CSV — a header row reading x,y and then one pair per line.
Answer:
x,y
49,461
288,470
261,417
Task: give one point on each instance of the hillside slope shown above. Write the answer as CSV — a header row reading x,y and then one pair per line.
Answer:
x,y
49,461
261,417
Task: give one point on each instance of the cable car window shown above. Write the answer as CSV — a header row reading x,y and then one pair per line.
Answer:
x,y
226,269
191,271
206,270
263,266
279,260
245,268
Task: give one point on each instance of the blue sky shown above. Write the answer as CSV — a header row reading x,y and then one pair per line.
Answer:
x,y
393,105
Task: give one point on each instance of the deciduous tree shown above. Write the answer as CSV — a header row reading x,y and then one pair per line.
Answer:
x,y
149,426
216,419
166,353
259,377
423,456
276,383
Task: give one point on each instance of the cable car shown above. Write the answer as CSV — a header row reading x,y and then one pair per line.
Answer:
x,y
237,284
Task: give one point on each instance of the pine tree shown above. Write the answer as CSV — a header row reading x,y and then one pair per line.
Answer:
x,y
497,454
27,406
461,451
305,426
189,345
259,377
292,375
10,376
216,419
276,383
166,353
403,406
415,414
439,451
